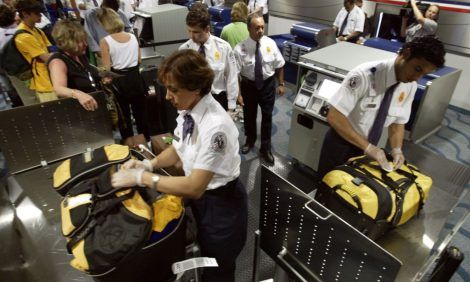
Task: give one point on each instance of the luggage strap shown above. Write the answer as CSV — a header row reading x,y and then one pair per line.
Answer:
x,y
383,195
354,197
409,175
97,215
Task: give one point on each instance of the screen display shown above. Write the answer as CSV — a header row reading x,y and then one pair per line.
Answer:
x,y
328,88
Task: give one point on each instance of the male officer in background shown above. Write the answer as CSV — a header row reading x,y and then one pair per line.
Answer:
x,y
349,22
259,59
375,95
218,54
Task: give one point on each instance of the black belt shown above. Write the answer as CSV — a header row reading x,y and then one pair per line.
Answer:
x,y
223,190
125,70
245,79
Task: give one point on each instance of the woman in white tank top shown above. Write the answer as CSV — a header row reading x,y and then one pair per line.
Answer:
x,y
120,53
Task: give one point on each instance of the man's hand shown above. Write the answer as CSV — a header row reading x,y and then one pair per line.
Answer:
x,y
145,165
341,38
240,100
127,178
379,155
280,90
398,158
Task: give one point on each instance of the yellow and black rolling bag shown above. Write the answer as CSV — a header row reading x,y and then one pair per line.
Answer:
x,y
371,199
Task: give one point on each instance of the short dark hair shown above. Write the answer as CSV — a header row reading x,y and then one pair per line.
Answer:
x,y
251,17
198,16
349,1
189,70
28,6
428,48
7,16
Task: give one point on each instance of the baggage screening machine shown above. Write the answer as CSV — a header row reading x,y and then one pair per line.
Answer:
x,y
152,27
304,38
319,76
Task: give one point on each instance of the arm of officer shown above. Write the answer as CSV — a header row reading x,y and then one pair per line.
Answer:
x,y
191,186
396,133
280,78
166,158
343,127
231,74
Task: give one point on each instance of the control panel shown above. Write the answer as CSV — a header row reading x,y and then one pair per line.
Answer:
x,y
315,92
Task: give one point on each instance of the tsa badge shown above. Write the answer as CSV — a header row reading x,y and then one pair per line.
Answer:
x,y
218,142
354,82
401,97
217,55
268,49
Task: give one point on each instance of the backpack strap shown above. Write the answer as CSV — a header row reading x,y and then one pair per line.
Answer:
x,y
18,32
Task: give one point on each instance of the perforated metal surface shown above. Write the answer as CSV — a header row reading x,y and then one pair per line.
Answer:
x,y
52,131
317,241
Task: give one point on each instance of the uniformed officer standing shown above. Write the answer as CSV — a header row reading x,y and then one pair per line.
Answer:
x,y
349,22
218,54
207,144
375,95
259,59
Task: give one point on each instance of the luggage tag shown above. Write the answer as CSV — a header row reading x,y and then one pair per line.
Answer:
x,y
180,267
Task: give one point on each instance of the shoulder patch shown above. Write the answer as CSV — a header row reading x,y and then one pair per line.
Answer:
x,y
354,82
218,142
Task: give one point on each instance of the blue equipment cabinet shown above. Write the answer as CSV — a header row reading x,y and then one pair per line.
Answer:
x,y
220,17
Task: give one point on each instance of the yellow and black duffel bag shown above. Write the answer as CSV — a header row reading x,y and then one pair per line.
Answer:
x,y
371,199
88,164
103,225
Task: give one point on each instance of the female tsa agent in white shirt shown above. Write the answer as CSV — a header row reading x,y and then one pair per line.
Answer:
x,y
207,144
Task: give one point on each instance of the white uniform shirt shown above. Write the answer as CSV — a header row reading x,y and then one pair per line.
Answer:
x,y
272,58
217,3
252,4
213,145
220,57
359,100
356,20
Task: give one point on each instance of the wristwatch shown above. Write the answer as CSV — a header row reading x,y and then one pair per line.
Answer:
x,y
155,179
282,83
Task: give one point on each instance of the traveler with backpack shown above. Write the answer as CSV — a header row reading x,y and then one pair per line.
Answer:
x,y
206,141
8,28
33,44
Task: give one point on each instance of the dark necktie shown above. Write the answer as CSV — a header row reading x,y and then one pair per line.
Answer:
x,y
201,50
378,125
188,125
212,2
258,68
343,25
95,2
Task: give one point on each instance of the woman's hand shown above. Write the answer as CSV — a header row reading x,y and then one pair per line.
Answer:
x,y
86,100
127,178
107,80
